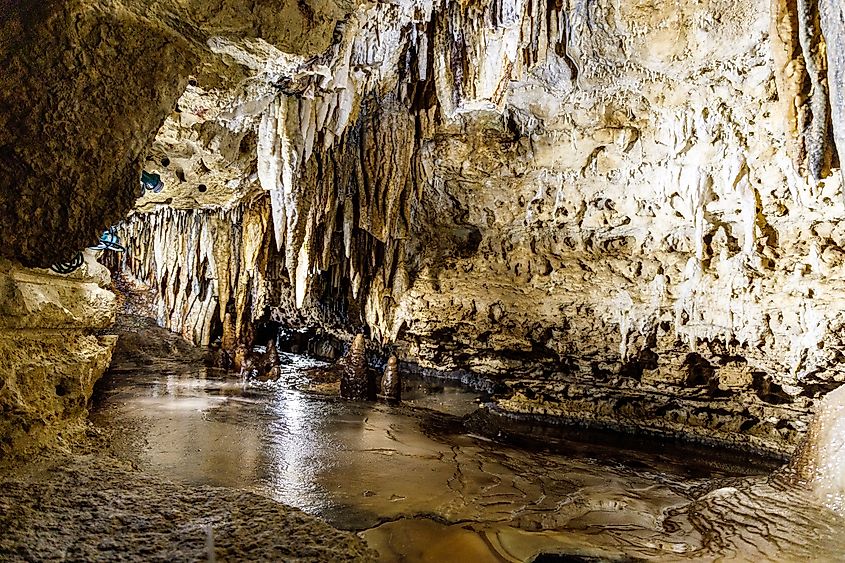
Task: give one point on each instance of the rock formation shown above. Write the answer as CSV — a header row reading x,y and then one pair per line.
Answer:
x,y
629,213
602,206
53,515
391,381
354,371
832,23
262,364
84,91
87,84
51,354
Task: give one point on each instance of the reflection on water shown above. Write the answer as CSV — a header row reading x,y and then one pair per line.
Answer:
x,y
424,488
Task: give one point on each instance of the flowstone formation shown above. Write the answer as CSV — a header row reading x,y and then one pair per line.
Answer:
x,y
629,214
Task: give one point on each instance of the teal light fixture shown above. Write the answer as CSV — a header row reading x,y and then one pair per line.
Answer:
x,y
109,241
151,182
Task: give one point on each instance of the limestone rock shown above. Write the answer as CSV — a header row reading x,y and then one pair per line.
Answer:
x,y
51,358
354,371
832,21
263,365
87,83
40,299
391,381
84,90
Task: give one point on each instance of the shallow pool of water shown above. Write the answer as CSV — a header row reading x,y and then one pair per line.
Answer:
x,y
425,481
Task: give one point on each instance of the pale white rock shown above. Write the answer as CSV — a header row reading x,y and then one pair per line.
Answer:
x,y
586,192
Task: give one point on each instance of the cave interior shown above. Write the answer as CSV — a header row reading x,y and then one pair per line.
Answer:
x,y
422,280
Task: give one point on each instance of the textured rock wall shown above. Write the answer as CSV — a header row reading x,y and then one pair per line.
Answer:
x,y
629,213
86,85
83,93
51,354
653,246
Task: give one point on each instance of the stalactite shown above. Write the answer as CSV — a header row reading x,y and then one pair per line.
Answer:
x,y
337,154
817,133
832,21
790,71
340,155
801,57
199,262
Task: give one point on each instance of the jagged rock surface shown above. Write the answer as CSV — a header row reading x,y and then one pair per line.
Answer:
x,y
832,22
51,356
196,260
629,213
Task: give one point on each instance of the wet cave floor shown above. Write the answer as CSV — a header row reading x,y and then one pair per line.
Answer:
x,y
435,479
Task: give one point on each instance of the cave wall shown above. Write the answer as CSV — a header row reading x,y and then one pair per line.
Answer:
x,y
84,91
630,214
52,354
88,83
832,24
658,242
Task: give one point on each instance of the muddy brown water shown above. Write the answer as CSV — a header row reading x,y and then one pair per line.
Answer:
x,y
425,480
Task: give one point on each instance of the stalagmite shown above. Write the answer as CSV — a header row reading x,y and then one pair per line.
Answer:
x,y
391,381
354,375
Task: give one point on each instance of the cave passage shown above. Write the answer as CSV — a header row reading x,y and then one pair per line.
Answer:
x,y
422,280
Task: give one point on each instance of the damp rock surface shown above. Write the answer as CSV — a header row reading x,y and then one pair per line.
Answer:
x,y
51,351
85,508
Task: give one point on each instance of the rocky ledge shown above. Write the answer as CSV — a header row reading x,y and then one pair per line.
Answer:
x,y
83,508
52,354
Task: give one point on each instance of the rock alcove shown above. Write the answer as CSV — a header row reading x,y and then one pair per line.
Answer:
x,y
619,215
